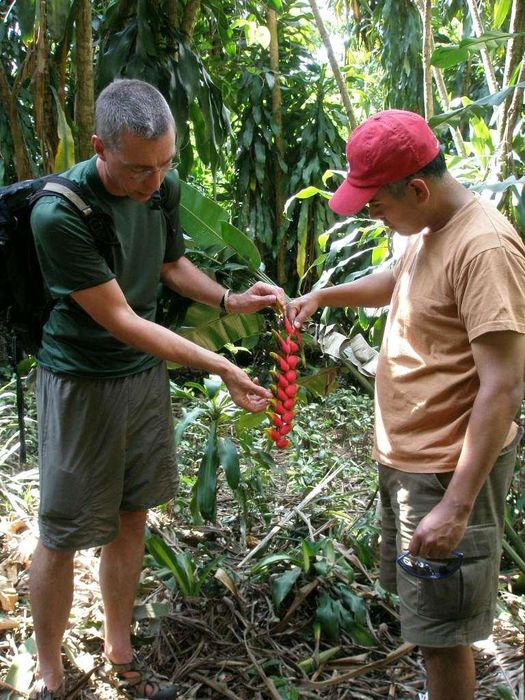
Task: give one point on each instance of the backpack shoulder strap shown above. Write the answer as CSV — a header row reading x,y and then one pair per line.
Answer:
x,y
69,189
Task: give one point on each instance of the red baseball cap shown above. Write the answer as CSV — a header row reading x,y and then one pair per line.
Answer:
x,y
386,147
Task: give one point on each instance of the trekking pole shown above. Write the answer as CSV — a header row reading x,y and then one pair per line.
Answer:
x,y
20,407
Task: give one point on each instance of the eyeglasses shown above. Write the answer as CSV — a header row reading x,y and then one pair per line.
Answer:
x,y
140,174
431,570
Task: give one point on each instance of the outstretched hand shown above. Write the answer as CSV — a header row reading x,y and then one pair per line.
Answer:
x,y
244,392
298,310
257,297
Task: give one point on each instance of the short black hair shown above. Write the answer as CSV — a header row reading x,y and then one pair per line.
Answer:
x,y
436,168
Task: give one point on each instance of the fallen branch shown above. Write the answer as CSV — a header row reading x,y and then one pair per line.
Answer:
x,y
400,651
295,510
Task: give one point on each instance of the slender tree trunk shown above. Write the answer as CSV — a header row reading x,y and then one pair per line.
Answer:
x,y
490,73
513,57
504,160
277,118
441,88
335,68
45,126
189,18
84,89
172,10
9,101
427,54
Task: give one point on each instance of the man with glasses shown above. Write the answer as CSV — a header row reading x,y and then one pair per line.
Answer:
x,y
449,383
106,450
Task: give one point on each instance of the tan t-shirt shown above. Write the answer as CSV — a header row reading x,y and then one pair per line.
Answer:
x,y
452,285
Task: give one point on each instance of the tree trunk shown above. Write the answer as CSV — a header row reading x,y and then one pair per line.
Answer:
x,y
442,89
172,10
513,57
335,68
490,73
189,18
9,101
427,54
45,126
277,118
84,89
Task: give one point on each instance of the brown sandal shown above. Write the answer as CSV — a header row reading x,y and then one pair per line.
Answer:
x,y
40,691
136,685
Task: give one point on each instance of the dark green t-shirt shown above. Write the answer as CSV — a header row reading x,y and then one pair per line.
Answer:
x,y
70,260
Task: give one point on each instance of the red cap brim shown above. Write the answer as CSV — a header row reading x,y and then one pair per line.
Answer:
x,y
348,199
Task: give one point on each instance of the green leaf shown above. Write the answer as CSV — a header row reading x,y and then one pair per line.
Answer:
x,y
187,419
207,478
275,4
283,584
454,117
267,561
200,217
65,156
241,244
501,10
178,564
214,331
360,635
447,56
328,616
25,10
229,459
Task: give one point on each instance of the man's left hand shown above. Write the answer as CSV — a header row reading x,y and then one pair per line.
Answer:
x,y
438,533
257,297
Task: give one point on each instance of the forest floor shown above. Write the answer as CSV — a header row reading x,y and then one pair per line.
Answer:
x,y
229,639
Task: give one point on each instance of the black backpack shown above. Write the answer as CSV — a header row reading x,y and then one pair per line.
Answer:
x,y
25,303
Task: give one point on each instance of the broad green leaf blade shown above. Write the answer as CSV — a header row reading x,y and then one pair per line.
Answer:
x,y
167,557
213,331
282,585
454,117
200,217
328,615
241,244
187,419
229,459
207,479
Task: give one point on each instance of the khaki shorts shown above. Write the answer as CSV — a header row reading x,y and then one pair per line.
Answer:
x,y
458,610
105,446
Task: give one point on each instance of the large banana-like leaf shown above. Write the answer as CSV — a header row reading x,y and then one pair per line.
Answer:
x,y
210,329
206,223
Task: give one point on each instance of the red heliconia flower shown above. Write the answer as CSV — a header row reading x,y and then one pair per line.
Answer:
x,y
285,386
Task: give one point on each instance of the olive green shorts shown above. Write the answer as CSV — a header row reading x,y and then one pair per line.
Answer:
x,y
106,445
457,610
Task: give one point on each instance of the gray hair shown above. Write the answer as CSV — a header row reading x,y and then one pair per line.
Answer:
x,y
132,106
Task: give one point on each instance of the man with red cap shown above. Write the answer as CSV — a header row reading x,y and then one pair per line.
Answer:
x,y
449,384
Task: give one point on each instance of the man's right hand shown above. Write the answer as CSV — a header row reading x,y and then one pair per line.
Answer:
x,y
298,310
244,392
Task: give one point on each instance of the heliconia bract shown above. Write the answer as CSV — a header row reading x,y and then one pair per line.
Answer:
x,y
285,384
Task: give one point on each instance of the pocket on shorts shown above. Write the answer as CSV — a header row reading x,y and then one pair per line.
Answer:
x,y
468,592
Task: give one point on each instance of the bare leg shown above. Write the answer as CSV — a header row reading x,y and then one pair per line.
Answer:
x,y
450,673
120,567
51,592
